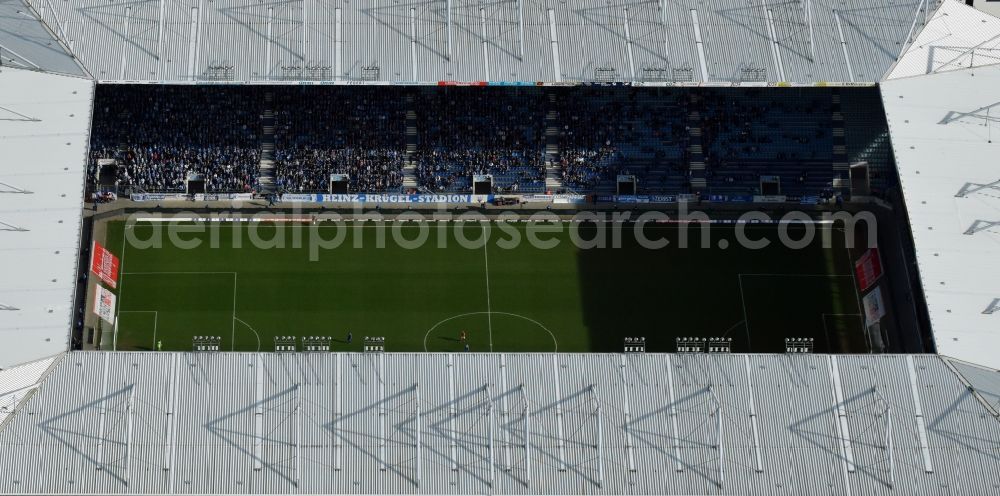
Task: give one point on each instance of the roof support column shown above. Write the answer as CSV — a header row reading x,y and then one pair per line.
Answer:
x,y
258,414
413,44
843,45
559,413
699,45
718,426
159,41
337,416
381,412
172,424
298,433
103,412
448,7
673,414
128,25
305,31
338,45
128,438
600,435
628,41
775,50
486,51
192,43
629,446
919,415
555,57
753,416
505,413
527,433
843,429
520,23
491,418
416,390
267,58
666,32
168,454
451,412
809,22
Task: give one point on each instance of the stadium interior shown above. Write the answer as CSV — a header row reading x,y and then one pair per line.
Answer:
x,y
713,141
499,247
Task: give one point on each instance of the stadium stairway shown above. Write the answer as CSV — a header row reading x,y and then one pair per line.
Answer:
x,y
267,171
409,164
840,164
697,153
553,178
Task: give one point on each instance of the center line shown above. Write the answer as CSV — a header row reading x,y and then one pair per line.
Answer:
x,y
489,311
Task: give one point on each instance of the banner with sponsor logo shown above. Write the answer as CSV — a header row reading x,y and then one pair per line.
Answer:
x,y
635,199
874,307
569,199
769,199
142,197
104,265
104,305
384,198
868,268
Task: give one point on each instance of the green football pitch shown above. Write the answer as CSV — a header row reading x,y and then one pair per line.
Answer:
x,y
250,283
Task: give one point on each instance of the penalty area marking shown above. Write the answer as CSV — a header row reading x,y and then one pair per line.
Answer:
x,y
555,342
234,319
743,299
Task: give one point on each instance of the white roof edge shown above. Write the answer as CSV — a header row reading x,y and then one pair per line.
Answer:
x,y
957,37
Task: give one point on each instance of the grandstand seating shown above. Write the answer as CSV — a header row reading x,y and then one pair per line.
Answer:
x,y
159,133
465,131
585,136
605,134
356,131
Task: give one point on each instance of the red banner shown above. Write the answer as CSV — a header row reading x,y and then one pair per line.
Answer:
x,y
868,268
104,264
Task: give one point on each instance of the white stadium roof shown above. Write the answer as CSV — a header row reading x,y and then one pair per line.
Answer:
x,y
44,125
27,43
720,41
956,37
946,134
520,423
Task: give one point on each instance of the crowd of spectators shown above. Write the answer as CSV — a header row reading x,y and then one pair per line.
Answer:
x,y
468,131
357,131
159,134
